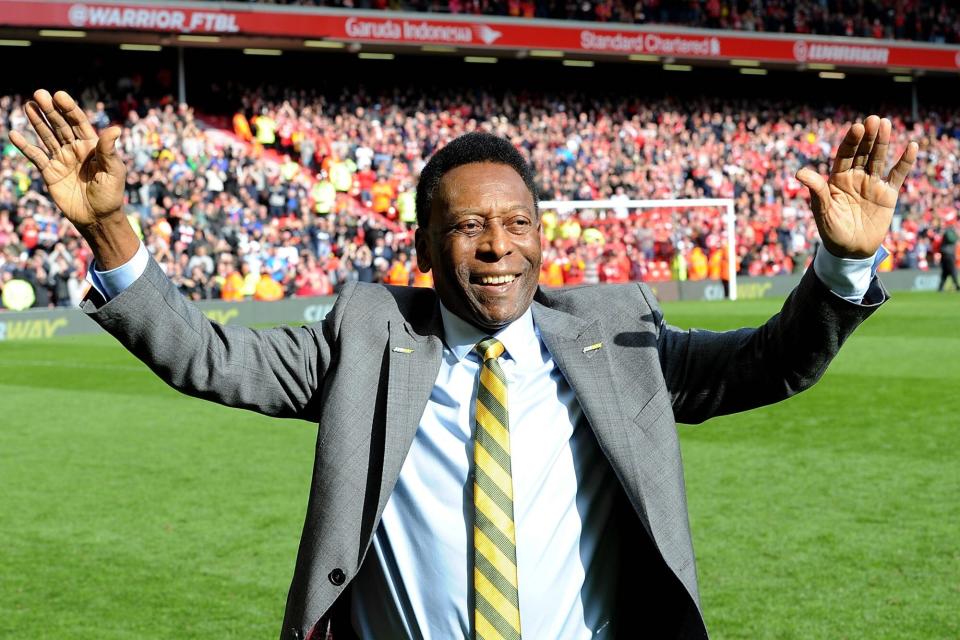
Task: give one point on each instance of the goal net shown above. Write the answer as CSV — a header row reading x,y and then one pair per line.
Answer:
x,y
667,218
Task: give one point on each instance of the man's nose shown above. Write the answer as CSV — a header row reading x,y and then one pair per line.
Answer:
x,y
495,241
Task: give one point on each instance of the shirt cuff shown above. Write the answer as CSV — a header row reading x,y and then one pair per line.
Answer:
x,y
849,278
112,283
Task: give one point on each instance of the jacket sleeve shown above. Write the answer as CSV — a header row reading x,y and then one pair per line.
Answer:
x,y
709,373
274,371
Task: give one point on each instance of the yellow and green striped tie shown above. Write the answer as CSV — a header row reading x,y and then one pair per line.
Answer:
x,y
497,603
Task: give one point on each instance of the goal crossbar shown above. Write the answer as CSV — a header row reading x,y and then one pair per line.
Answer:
x,y
725,204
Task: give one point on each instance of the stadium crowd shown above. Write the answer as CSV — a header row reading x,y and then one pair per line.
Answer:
x,y
924,20
309,192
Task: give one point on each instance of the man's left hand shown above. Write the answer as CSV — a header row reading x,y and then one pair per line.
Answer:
x,y
854,206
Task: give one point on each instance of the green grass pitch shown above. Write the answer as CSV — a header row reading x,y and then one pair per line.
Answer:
x,y
129,511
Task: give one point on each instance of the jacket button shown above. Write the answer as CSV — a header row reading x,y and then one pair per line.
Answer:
x,y
295,633
337,577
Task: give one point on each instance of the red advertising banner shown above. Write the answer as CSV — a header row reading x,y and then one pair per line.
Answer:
x,y
475,32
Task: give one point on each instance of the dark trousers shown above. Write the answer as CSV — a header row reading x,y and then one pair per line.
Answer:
x,y
948,269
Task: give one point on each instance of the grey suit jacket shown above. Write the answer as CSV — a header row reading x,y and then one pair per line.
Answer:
x,y
368,398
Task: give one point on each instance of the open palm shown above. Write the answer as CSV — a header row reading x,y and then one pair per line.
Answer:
x,y
854,206
81,170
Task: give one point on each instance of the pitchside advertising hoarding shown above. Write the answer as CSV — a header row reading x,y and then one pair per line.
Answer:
x,y
52,323
475,32
42,324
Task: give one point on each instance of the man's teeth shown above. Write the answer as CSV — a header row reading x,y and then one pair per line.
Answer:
x,y
497,279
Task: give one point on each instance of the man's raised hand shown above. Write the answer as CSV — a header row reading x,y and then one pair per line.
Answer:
x,y
82,171
83,174
854,206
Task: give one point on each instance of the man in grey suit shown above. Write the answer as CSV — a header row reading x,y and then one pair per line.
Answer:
x,y
493,460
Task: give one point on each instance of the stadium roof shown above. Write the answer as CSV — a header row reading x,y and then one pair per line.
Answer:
x,y
270,28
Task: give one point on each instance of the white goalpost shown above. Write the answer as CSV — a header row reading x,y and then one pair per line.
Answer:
x,y
723,204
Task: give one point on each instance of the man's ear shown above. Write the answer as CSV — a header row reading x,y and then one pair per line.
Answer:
x,y
422,243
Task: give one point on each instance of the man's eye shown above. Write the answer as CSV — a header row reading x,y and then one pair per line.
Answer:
x,y
520,225
470,226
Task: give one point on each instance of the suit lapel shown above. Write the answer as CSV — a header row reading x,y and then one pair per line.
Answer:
x,y
413,362
582,352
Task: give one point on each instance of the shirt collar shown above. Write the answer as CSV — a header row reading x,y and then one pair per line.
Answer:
x,y
520,338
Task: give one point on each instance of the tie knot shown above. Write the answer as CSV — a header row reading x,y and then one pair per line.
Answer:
x,y
489,349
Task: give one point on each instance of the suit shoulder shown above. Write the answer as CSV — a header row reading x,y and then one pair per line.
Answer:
x,y
599,300
364,298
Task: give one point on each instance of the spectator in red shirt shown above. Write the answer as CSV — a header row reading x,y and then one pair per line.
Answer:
x,y
612,270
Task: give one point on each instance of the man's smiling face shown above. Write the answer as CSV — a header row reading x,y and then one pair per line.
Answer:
x,y
483,244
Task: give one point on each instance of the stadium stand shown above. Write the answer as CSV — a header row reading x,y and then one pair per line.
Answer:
x,y
892,19
310,189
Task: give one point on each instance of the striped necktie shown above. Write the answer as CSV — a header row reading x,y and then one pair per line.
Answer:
x,y
497,603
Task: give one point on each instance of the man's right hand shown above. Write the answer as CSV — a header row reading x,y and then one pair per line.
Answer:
x,y
83,174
